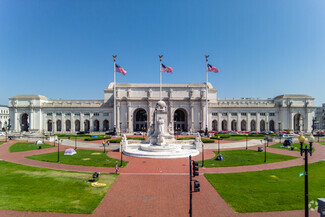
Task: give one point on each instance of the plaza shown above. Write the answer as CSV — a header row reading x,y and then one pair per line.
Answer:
x,y
159,187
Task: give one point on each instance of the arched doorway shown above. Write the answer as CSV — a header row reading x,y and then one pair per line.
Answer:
x,y
271,126
96,125
58,125
86,125
224,125
77,125
24,122
1,126
253,125
140,120
243,125
215,125
262,125
105,125
180,120
234,125
67,125
298,122
49,125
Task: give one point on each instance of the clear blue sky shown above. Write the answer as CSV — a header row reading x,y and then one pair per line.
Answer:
x,y
63,49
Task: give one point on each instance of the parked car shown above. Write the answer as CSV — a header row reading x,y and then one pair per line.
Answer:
x,y
137,133
253,133
110,132
82,132
185,133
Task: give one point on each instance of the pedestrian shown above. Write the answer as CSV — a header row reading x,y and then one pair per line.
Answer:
x,y
107,143
116,168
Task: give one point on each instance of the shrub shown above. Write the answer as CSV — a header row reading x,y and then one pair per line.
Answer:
x,y
118,140
207,140
97,138
222,136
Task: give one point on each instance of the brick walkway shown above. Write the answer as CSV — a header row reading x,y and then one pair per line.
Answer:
x,y
157,187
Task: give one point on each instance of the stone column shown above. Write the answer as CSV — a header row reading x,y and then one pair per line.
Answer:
x,y
91,122
31,119
258,121
129,118
82,124
248,121
219,122
228,121
73,126
192,117
203,115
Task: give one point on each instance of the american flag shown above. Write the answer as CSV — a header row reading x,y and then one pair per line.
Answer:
x,y
120,69
211,68
166,68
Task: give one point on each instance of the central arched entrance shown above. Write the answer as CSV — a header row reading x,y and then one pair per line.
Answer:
x,y
243,125
24,122
253,125
180,120
298,122
86,125
224,126
140,120
262,125
215,125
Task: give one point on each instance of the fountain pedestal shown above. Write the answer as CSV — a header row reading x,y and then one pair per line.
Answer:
x,y
160,143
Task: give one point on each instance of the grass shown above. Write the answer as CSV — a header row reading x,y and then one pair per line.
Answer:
x,y
244,157
83,137
296,145
269,190
26,188
19,147
83,157
1,142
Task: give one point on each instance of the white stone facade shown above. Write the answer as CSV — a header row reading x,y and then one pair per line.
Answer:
x,y
320,117
135,104
4,118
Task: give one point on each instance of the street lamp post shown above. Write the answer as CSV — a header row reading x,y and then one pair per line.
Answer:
x,y
306,150
246,140
265,152
75,142
202,155
121,155
58,150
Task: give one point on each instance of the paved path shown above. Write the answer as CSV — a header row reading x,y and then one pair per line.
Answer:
x,y
157,187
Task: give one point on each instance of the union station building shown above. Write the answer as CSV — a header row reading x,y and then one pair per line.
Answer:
x,y
135,105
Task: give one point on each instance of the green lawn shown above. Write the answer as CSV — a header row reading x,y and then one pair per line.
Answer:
x,y
244,157
269,190
296,145
83,157
28,188
83,137
18,147
1,142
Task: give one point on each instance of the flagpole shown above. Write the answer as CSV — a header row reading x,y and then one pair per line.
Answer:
x,y
114,56
160,94
206,96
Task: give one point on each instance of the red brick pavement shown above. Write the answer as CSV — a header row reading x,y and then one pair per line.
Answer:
x,y
157,187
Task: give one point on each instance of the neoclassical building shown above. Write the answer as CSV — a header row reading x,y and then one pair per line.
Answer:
x,y
135,105
320,117
4,117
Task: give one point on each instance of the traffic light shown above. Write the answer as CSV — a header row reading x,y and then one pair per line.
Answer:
x,y
195,165
196,186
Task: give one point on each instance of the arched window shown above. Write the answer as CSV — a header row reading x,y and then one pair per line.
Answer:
x,y
24,122
253,125
49,126
77,125
105,125
234,125
67,125
140,120
180,120
243,125
215,125
224,125
87,125
58,125
96,125
271,127
262,125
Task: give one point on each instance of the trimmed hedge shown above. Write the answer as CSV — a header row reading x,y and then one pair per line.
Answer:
x,y
97,138
222,136
193,138
207,140
240,135
118,140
